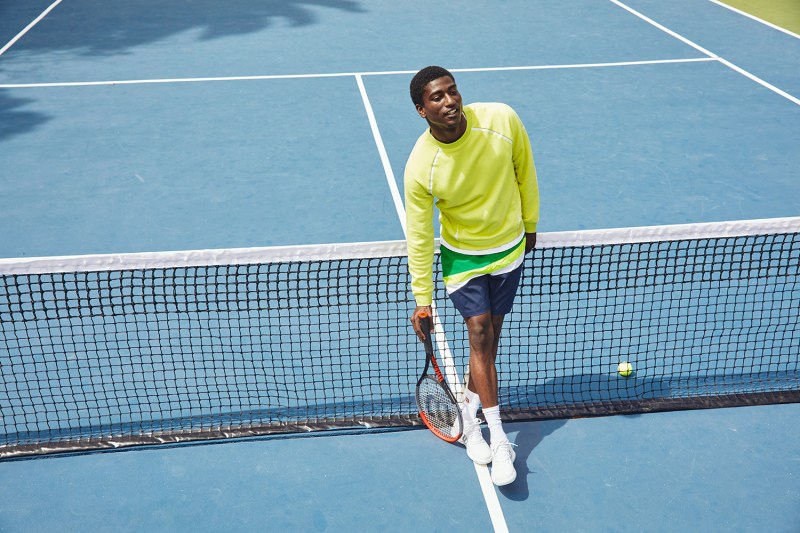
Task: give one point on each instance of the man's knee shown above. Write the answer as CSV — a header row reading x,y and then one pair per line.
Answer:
x,y
481,331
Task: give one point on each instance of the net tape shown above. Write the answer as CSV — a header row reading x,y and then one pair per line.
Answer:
x,y
116,350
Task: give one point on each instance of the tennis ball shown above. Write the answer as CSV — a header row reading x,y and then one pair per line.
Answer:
x,y
625,369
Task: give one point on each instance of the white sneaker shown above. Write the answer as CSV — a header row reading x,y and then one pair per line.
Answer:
x,y
503,456
472,438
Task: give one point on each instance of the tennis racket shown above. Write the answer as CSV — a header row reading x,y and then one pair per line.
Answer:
x,y
435,401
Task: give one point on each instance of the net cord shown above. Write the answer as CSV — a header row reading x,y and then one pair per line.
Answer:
x,y
365,250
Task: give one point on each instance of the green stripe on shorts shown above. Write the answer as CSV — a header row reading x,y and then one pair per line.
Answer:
x,y
458,268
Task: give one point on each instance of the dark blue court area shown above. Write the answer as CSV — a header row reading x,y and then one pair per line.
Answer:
x,y
189,125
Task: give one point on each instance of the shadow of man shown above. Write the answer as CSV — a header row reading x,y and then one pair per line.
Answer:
x,y
527,438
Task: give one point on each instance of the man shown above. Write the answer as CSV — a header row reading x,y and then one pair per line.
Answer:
x,y
476,163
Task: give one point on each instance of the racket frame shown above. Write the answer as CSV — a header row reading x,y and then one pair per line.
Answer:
x,y
438,377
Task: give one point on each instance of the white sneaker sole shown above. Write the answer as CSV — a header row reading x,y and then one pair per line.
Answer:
x,y
506,481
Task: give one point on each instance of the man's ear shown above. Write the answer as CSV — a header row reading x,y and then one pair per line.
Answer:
x,y
421,111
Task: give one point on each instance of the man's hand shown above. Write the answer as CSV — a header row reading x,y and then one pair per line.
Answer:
x,y
530,242
415,320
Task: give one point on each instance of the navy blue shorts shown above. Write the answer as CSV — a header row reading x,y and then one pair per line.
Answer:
x,y
487,293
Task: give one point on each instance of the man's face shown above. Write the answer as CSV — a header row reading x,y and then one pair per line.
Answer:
x,y
441,104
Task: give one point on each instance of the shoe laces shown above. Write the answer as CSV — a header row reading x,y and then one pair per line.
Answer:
x,y
472,430
502,450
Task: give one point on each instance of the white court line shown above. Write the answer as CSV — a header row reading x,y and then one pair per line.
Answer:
x,y
762,21
21,34
387,166
484,479
586,65
441,340
490,496
450,370
696,46
343,74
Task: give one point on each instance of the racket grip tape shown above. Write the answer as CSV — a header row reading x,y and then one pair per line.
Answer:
x,y
425,325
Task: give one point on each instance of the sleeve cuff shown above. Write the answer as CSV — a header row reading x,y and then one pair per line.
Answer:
x,y
424,300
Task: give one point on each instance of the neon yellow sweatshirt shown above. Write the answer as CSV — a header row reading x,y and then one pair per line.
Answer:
x,y
484,185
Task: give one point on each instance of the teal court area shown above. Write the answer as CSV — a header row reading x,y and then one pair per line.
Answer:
x,y
200,141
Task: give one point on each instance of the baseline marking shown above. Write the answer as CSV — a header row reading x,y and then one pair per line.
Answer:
x,y
344,74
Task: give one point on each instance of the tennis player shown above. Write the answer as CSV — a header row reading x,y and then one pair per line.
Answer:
x,y
475,163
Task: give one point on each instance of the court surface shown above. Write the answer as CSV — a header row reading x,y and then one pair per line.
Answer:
x,y
149,126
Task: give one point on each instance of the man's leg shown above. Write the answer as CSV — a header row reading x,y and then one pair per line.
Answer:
x,y
484,338
495,293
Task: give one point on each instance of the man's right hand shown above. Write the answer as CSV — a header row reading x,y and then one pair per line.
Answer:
x,y
415,320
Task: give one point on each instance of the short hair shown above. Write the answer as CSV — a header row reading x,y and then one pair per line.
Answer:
x,y
422,78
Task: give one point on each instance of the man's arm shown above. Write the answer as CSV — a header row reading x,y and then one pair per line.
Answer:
x,y
526,180
419,230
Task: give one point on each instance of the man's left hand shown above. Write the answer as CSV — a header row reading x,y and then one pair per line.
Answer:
x,y
530,242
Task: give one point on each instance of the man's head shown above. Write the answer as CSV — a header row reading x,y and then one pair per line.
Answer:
x,y
436,97
423,78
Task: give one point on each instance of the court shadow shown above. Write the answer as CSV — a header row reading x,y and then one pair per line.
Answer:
x,y
81,29
14,119
576,395
84,29
528,436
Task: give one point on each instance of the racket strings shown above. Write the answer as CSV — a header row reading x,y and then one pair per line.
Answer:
x,y
440,412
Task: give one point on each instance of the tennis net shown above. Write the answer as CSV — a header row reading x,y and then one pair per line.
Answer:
x,y
118,350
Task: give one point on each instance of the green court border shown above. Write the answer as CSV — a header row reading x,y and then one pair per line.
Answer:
x,y
783,13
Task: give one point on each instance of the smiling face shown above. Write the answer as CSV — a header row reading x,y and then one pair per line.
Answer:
x,y
441,107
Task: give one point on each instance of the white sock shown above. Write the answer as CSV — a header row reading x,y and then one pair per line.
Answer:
x,y
472,402
496,433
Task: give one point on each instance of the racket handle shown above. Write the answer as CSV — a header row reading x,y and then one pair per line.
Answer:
x,y
425,325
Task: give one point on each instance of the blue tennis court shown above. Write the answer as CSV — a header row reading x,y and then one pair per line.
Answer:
x,y
150,127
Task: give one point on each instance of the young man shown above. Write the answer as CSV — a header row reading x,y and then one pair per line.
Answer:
x,y
475,162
